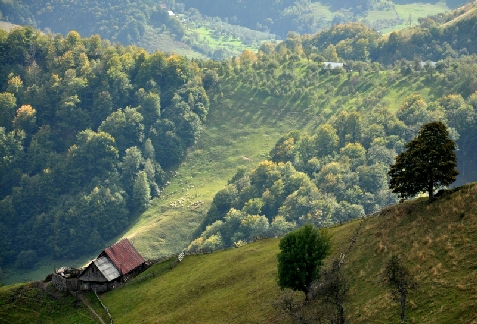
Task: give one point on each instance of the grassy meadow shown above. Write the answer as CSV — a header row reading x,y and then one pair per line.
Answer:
x,y
410,13
419,9
436,242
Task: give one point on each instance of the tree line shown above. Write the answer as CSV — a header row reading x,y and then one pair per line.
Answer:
x,y
429,41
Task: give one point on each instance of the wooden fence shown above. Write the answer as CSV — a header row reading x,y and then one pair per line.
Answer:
x,y
105,308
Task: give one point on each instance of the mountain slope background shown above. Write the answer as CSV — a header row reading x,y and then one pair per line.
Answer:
x,y
248,116
218,29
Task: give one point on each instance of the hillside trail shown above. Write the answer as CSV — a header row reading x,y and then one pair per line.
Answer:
x,y
85,301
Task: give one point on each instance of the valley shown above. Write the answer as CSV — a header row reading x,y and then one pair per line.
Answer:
x,y
200,134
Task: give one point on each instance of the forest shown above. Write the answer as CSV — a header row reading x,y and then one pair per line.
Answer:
x,y
87,131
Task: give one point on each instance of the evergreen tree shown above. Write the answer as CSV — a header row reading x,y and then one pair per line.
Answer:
x,y
428,163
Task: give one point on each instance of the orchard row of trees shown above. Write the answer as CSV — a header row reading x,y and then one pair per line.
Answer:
x,y
343,165
337,173
340,171
86,131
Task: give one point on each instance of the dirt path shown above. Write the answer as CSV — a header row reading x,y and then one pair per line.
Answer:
x,y
85,301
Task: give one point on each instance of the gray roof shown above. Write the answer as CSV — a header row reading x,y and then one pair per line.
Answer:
x,y
107,268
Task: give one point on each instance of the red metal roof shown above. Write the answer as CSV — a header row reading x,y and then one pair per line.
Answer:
x,y
124,256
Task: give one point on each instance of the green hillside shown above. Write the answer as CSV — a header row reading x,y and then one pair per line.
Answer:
x,y
243,125
33,303
436,241
256,98
254,101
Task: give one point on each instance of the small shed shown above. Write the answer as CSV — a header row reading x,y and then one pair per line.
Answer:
x,y
113,266
332,65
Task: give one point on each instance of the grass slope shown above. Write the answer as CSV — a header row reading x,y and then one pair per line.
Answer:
x,y
436,241
410,13
153,40
27,303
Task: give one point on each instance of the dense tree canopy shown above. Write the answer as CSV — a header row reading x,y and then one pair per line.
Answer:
x,y
121,21
85,131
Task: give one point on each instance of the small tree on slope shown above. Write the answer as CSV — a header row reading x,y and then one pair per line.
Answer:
x,y
302,254
141,191
428,163
400,281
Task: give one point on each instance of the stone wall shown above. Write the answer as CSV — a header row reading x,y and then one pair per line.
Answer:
x,y
59,282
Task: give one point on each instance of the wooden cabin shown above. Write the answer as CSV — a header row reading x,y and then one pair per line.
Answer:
x,y
112,267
